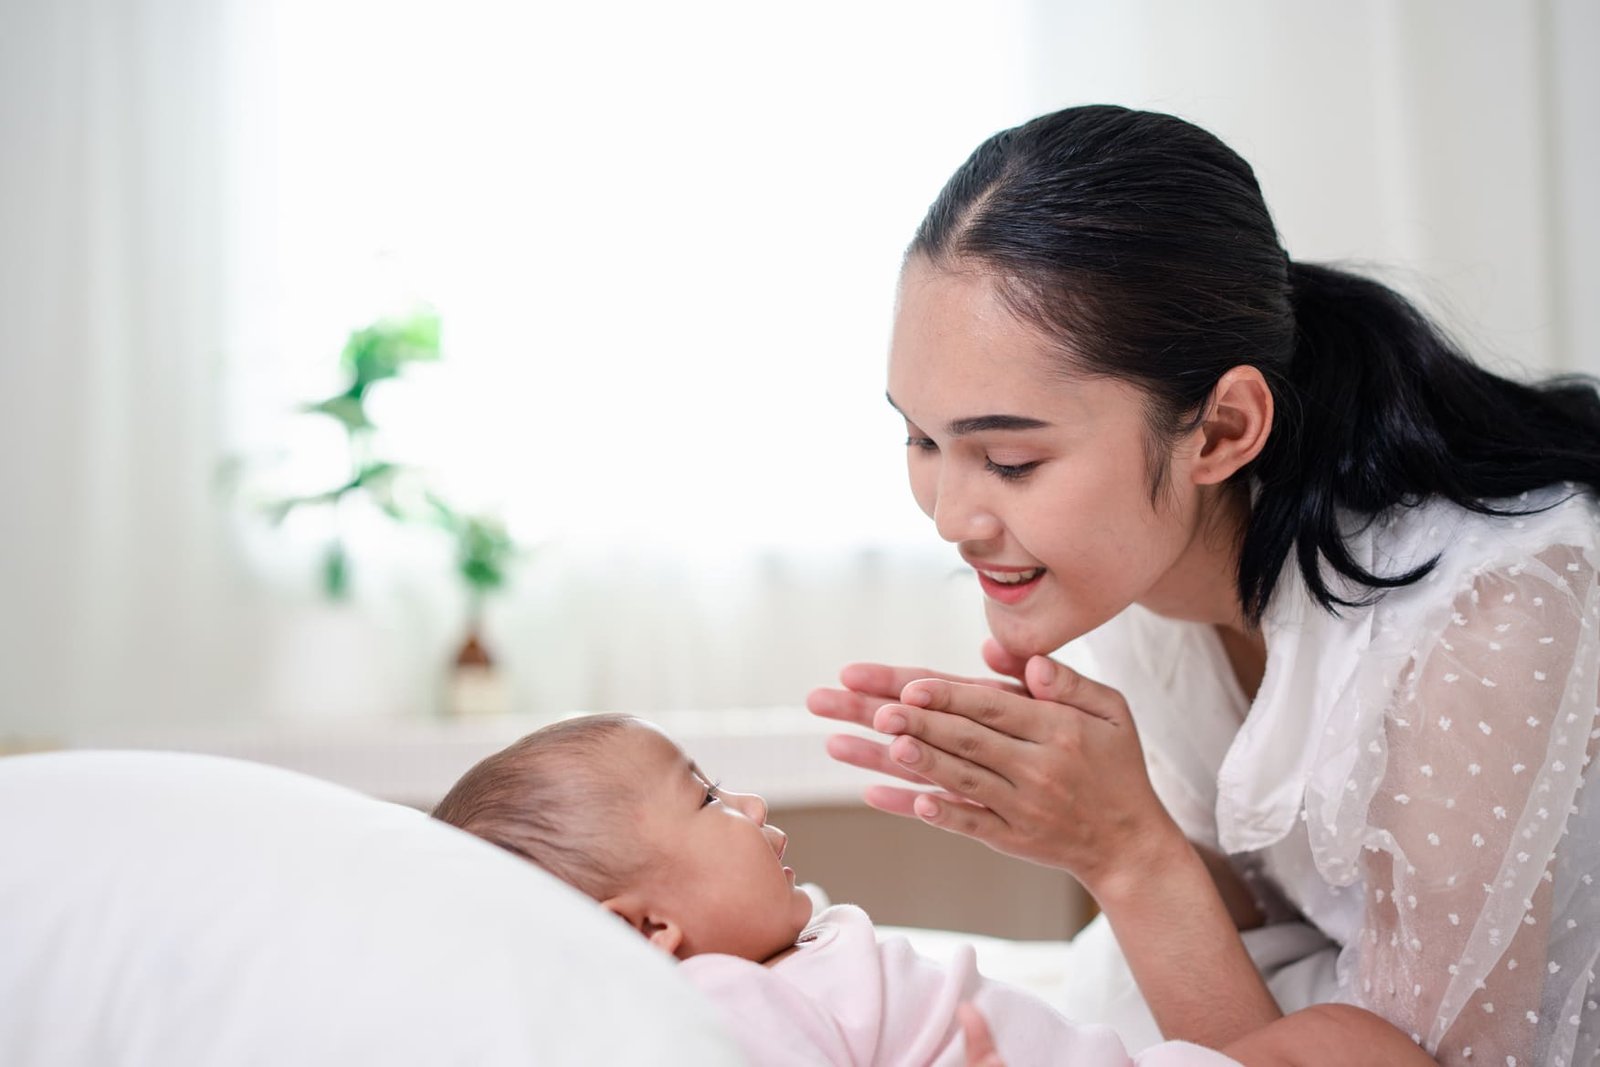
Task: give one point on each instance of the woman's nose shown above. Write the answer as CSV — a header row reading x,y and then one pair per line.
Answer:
x,y
959,516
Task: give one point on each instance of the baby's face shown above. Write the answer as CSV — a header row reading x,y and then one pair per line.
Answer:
x,y
716,866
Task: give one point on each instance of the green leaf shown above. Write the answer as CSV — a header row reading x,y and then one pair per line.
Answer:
x,y
483,551
441,513
383,349
482,574
349,410
336,571
374,475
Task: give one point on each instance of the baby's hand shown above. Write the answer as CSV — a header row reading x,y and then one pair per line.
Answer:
x,y
979,1042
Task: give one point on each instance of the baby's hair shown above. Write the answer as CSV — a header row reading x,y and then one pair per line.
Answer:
x,y
549,799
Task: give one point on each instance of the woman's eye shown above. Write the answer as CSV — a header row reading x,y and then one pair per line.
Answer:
x,y
1009,472
924,443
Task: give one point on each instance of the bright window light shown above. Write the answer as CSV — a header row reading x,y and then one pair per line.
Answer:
x,y
663,240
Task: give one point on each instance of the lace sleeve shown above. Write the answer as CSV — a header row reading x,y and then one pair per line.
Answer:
x,y
1481,920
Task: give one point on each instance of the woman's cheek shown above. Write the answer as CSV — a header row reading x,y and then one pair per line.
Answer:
x,y
924,483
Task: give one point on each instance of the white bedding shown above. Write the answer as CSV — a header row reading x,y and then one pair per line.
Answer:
x,y
165,910
169,909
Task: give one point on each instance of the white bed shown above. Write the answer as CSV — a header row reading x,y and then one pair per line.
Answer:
x,y
165,910
173,909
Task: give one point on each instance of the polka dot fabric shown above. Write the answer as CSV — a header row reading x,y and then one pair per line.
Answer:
x,y
1455,819
1412,776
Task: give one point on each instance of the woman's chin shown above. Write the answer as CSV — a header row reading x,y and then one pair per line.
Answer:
x,y
1024,637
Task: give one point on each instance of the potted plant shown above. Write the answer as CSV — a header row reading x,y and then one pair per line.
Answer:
x,y
484,550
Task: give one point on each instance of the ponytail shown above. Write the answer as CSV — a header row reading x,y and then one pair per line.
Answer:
x,y
1382,411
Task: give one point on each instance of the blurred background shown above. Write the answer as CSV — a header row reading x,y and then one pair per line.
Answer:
x,y
659,244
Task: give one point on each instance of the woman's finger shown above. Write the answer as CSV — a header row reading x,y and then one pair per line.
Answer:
x,y
959,776
1006,713
897,800
1049,680
881,679
869,755
955,734
1002,661
846,706
891,799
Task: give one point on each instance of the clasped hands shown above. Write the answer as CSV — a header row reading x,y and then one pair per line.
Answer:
x,y
1047,768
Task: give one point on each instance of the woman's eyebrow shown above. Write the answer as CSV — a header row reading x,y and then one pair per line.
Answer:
x,y
982,423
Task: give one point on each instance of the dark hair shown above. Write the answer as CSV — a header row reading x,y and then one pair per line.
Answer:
x,y
545,798
1141,245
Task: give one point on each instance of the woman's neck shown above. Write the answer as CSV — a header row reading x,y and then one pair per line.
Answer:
x,y
1202,585
1247,655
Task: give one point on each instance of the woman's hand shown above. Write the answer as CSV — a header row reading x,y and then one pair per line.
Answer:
x,y
869,686
1053,773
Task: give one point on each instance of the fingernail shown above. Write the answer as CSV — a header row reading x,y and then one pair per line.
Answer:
x,y
1047,670
926,807
894,723
919,697
906,751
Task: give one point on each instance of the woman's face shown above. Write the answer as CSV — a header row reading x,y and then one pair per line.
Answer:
x,y
1040,479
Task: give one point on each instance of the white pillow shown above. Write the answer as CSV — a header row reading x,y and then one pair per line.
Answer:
x,y
165,909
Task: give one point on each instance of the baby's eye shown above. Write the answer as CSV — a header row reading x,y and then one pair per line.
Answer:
x,y
711,794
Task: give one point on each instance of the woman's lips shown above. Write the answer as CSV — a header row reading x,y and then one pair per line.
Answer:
x,y
1008,592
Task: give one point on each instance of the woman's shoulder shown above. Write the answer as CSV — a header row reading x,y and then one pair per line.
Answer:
x,y
1462,544
1525,523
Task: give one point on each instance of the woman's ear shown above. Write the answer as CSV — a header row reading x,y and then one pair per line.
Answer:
x,y
662,932
1235,429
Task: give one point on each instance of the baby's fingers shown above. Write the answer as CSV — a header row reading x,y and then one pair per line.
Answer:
x,y
975,1034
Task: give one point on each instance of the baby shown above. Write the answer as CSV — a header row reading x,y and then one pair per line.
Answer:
x,y
611,805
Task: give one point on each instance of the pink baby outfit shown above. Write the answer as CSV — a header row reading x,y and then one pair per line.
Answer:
x,y
845,998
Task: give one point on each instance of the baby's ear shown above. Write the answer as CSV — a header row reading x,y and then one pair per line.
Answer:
x,y
660,931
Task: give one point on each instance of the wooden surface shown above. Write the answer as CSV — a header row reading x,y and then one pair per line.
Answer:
x,y
907,874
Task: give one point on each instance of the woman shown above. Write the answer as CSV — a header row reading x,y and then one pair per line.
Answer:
x,y
1342,579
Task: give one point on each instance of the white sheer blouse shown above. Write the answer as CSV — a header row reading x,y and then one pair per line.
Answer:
x,y
1410,776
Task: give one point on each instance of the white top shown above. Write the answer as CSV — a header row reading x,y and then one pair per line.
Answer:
x,y
846,997
1410,775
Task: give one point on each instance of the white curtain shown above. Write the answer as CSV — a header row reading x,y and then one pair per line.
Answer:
x,y
121,593
198,199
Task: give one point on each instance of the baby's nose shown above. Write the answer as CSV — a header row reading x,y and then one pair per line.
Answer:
x,y
754,807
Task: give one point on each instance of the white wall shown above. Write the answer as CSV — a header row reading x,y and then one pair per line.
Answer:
x,y
1449,144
